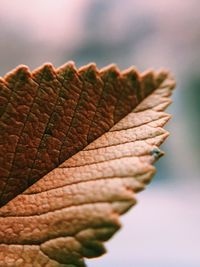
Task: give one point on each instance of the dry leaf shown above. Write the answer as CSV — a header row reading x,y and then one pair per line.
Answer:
x,y
76,145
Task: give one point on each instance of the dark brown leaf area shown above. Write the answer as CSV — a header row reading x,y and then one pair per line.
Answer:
x,y
50,114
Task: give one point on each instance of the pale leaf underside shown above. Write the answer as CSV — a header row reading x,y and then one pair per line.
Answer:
x,y
71,211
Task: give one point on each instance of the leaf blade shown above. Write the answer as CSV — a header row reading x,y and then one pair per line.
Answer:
x,y
51,114
68,213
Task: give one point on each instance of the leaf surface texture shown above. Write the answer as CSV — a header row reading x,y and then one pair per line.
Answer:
x,y
76,145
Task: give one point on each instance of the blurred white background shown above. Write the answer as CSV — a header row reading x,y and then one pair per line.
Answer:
x,y
163,230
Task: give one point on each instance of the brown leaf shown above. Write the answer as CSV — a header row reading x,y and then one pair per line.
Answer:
x,y
49,115
75,130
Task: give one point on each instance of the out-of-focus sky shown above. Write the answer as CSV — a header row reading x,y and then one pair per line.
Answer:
x,y
163,230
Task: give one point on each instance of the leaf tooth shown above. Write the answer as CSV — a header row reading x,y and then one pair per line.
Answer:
x,y
149,73
89,72
132,75
121,207
60,250
130,71
110,72
148,83
46,72
162,106
91,65
21,74
132,78
169,83
67,71
161,75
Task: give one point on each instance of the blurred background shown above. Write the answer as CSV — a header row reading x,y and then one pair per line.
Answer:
x,y
163,230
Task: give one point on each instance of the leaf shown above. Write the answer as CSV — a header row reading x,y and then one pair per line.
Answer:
x,y
80,143
49,115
